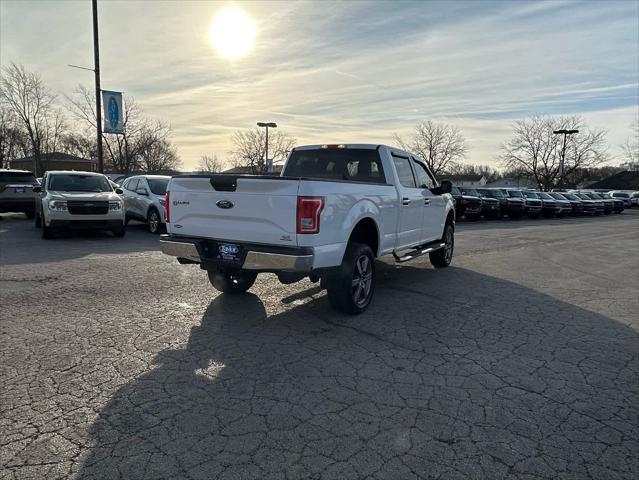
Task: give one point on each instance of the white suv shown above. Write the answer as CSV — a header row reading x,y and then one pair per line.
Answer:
x,y
144,199
78,200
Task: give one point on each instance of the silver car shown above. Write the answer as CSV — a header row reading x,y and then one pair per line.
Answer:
x,y
144,199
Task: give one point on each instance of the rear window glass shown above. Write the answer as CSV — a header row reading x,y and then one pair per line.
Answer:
x,y
353,164
17,177
158,185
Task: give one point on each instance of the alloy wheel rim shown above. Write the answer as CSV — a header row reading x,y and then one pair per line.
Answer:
x,y
362,280
449,245
154,221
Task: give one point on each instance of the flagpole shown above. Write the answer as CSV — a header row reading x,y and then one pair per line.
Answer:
x,y
98,102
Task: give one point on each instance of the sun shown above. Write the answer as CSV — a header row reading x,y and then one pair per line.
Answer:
x,y
232,33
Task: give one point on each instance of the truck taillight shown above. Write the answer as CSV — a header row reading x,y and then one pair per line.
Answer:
x,y
308,214
167,208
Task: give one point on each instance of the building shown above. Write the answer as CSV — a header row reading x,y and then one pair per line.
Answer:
x,y
627,180
55,161
468,181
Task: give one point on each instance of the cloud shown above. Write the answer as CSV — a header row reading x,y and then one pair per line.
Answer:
x,y
348,71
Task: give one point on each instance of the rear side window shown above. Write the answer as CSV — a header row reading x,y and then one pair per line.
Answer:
x,y
132,185
17,177
404,172
352,164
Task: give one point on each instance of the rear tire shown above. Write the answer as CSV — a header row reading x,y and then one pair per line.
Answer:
x,y
441,258
30,215
351,288
38,221
232,282
119,232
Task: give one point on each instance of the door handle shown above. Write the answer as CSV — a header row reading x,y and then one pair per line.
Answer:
x,y
405,201
427,201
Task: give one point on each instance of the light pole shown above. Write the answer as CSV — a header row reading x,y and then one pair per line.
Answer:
x,y
565,133
98,102
269,165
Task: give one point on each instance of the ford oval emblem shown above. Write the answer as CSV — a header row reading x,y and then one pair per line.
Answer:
x,y
225,204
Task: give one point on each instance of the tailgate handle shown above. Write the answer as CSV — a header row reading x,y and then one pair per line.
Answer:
x,y
224,183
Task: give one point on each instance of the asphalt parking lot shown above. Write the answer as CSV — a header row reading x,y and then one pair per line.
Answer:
x,y
519,361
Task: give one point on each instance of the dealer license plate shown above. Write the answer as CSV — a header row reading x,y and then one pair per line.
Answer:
x,y
229,251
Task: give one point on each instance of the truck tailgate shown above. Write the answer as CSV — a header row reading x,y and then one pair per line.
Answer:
x,y
256,210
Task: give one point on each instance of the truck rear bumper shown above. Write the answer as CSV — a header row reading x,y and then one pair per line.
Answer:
x,y
252,257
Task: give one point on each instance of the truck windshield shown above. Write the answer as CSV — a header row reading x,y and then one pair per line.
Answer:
x,y
491,193
515,194
79,183
353,164
470,192
531,195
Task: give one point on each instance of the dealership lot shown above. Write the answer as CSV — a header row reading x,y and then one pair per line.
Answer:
x,y
521,360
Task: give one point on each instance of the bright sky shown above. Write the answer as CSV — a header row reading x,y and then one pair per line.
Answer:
x,y
345,72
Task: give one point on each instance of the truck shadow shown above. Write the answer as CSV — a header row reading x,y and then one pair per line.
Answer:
x,y
465,376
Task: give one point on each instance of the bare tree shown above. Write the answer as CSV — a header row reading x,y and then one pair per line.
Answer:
x,y
535,150
25,94
440,145
491,174
79,144
630,148
132,150
249,148
210,164
157,155
13,143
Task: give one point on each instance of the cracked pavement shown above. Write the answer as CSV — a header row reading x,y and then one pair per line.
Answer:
x,y
519,361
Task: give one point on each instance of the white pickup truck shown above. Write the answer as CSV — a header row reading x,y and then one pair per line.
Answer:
x,y
333,210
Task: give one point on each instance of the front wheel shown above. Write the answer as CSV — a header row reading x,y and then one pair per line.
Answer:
x,y
30,215
351,289
119,232
441,258
232,282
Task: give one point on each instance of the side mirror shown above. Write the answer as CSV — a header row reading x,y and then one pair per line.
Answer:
x,y
37,189
119,191
142,191
446,186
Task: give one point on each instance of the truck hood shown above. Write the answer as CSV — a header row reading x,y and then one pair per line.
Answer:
x,y
84,196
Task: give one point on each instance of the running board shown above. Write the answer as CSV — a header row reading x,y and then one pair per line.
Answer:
x,y
419,251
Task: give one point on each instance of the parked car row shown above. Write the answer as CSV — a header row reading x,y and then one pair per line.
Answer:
x,y
70,200
514,203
